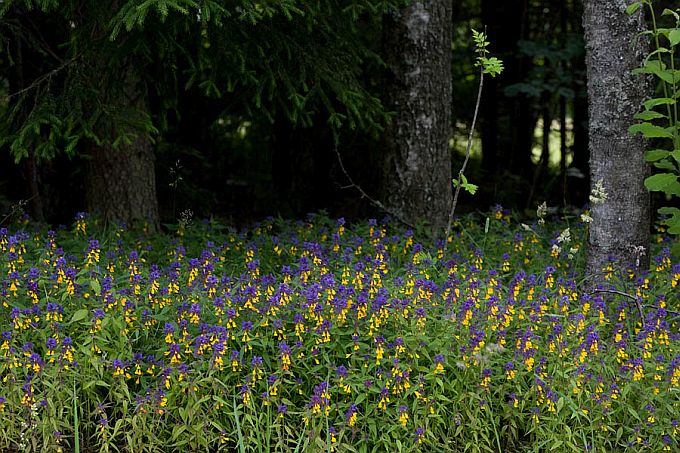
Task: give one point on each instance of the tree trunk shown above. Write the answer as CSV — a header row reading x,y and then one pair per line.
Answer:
x,y
121,183
417,184
621,224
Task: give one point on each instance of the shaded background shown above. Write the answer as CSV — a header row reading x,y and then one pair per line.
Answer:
x,y
221,156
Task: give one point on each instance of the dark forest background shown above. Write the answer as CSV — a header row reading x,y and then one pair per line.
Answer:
x,y
221,152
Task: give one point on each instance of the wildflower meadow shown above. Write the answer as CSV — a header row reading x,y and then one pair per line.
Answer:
x,y
320,335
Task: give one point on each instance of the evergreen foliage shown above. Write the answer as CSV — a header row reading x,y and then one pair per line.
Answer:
x,y
288,57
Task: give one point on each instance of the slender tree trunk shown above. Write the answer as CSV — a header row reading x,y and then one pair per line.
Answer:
x,y
32,172
620,226
417,183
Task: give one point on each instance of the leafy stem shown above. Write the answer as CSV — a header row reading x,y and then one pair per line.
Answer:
x,y
492,66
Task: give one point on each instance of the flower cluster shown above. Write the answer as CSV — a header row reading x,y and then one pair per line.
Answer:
x,y
349,332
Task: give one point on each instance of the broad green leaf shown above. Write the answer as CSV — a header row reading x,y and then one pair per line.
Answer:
x,y
676,155
674,221
648,115
659,182
633,7
666,165
675,229
96,287
674,36
656,68
651,103
650,130
668,210
656,154
670,12
79,315
672,189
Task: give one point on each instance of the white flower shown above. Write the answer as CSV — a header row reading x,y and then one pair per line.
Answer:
x,y
564,237
598,195
541,211
572,252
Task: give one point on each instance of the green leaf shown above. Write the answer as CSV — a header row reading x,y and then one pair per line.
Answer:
x,y
649,130
656,154
471,188
648,115
674,221
668,210
96,287
659,182
79,315
665,165
633,7
557,444
673,189
674,36
651,103
657,68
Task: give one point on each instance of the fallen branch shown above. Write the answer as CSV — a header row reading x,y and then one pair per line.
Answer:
x,y
621,293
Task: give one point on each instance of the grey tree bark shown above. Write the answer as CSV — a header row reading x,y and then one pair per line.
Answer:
x,y
417,180
621,224
121,181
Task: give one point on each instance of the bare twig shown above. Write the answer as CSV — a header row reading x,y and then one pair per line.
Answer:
x,y
373,201
656,307
613,291
630,296
48,75
16,207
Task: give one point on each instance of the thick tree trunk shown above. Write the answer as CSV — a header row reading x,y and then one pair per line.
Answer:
x,y
620,225
417,184
121,183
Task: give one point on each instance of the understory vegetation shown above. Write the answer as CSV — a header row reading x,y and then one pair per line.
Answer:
x,y
319,335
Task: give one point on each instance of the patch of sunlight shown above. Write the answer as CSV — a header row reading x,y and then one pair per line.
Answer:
x,y
459,138
553,143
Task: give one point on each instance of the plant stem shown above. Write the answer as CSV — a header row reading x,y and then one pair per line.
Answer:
x,y
468,148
